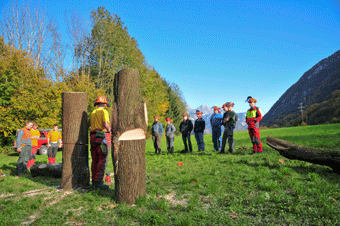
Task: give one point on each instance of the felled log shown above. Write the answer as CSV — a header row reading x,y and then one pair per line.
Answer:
x,y
293,151
75,140
50,170
128,137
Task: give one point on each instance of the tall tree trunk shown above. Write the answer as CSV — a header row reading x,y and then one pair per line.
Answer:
x,y
128,133
75,140
292,151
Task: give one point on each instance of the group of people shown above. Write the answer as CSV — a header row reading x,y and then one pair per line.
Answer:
x,y
228,120
27,145
100,140
100,136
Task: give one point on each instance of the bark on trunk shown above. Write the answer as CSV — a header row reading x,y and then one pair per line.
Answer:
x,y
75,139
292,151
128,137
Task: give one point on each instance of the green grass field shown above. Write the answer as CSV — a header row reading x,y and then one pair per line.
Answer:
x,y
209,189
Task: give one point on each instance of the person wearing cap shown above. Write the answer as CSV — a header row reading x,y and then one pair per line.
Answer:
x,y
186,127
99,122
35,136
199,130
24,147
229,123
253,118
170,135
53,143
157,132
216,124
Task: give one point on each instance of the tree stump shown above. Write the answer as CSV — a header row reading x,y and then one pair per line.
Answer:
x,y
293,151
75,140
128,136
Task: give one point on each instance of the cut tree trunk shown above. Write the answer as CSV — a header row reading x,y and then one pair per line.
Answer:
x,y
293,151
128,137
75,140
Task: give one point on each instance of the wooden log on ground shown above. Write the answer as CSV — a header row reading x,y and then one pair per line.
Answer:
x,y
293,151
49,170
128,137
75,140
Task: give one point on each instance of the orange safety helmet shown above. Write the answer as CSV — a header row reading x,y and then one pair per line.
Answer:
x,y
168,119
101,100
251,99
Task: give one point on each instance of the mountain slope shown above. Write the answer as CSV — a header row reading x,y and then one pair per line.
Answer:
x,y
315,86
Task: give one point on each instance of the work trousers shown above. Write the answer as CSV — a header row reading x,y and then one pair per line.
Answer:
x,y
31,160
254,134
52,150
170,143
24,156
228,134
200,141
216,137
156,141
98,158
186,137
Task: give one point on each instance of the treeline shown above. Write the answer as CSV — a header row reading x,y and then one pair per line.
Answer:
x,y
37,65
327,111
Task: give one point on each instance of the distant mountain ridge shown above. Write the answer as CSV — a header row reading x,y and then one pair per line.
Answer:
x,y
315,86
208,111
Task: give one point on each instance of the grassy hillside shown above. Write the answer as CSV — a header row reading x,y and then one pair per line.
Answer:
x,y
209,189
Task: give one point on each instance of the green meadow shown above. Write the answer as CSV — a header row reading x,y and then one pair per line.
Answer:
x,y
209,189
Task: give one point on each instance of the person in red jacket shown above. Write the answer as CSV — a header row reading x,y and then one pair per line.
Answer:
x,y
253,118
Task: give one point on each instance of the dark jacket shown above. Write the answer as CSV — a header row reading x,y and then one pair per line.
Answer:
x,y
186,126
157,128
232,119
199,126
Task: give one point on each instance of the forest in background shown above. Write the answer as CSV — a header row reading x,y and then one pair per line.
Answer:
x,y
37,65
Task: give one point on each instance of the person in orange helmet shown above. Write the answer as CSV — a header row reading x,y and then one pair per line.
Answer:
x,y
216,124
186,127
35,136
253,118
170,135
53,143
157,132
24,147
99,125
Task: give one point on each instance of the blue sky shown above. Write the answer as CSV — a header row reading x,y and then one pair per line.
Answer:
x,y
218,51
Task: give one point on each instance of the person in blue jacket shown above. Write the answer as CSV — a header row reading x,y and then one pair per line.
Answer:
x,y
157,132
216,123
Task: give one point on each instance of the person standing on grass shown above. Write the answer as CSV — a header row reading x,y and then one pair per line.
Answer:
x,y
216,123
170,135
186,127
24,147
253,118
157,132
53,143
35,136
199,130
99,125
229,123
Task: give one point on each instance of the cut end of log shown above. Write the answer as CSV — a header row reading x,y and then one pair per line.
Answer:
x,y
146,114
135,134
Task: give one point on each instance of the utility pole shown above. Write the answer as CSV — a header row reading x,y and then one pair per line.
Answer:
x,y
301,109
306,111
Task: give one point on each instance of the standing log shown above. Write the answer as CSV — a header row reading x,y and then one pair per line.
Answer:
x,y
292,151
128,137
75,140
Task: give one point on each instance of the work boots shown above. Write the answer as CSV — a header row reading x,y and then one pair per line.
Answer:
x,y
100,185
171,150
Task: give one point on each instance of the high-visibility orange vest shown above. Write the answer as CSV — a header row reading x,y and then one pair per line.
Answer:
x,y
27,135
